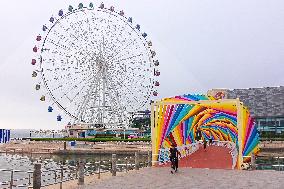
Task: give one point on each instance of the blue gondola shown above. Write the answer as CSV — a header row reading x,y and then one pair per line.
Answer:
x,y
138,27
70,8
60,13
50,109
144,34
44,28
130,19
80,5
51,19
59,118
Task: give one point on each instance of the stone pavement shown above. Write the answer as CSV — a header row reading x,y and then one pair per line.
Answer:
x,y
192,178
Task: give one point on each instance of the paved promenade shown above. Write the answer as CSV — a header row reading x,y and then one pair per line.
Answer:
x,y
192,178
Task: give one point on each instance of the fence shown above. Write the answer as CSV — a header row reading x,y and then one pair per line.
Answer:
x,y
40,177
269,163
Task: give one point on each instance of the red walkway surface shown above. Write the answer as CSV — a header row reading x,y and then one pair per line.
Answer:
x,y
214,157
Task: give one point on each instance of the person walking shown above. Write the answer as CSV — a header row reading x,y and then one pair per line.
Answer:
x,y
198,135
211,138
204,144
174,158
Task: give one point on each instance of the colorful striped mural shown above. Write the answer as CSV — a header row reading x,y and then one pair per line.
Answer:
x,y
177,120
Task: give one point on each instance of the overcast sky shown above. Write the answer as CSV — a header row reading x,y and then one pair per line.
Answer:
x,y
201,44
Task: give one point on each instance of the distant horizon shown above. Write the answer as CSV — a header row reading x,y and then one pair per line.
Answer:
x,y
31,129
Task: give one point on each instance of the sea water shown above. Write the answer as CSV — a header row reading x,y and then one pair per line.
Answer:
x,y
25,162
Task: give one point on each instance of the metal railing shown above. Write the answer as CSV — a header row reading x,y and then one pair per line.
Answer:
x,y
270,163
22,182
271,144
50,176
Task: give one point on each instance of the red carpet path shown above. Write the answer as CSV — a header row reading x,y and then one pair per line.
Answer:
x,y
215,157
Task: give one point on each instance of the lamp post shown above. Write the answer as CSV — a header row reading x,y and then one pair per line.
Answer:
x,y
124,133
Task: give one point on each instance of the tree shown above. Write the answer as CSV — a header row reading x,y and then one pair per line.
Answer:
x,y
141,123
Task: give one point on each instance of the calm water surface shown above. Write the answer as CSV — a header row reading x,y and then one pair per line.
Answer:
x,y
49,161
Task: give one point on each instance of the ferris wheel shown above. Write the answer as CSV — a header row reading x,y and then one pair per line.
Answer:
x,y
95,64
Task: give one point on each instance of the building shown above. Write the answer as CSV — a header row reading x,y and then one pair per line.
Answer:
x,y
142,114
265,104
87,131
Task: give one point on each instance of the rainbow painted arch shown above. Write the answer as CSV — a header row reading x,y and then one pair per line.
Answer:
x,y
176,121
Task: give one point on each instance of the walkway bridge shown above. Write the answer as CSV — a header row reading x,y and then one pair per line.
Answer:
x,y
184,120
219,155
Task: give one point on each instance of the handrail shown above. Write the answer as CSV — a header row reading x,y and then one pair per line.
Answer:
x,y
186,150
51,176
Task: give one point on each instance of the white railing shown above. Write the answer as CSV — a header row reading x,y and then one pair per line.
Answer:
x,y
186,150
233,150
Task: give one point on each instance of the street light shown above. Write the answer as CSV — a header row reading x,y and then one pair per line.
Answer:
x,y
124,133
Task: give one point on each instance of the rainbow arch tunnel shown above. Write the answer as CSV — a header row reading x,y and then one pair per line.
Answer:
x,y
176,121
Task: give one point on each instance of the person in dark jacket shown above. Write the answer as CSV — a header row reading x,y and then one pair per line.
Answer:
x,y
210,138
204,144
198,134
174,158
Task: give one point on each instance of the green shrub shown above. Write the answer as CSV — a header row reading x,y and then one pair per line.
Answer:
x,y
104,136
